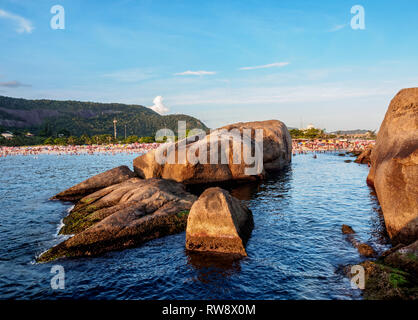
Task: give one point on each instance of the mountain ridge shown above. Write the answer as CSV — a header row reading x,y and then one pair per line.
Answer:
x,y
90,118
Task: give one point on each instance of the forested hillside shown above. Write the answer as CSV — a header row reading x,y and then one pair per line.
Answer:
x,y
75,118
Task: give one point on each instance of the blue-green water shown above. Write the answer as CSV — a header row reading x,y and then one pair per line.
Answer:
x,y
296,250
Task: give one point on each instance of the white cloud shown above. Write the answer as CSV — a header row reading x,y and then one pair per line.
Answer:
x,y
159,106
265,66
338,27
195,73
23,25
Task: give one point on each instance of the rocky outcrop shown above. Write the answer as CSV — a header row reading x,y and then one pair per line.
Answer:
x,y
394,275
394,167
123,215
364,157
218,223
215,158
404,258
277,143
363,249
100,181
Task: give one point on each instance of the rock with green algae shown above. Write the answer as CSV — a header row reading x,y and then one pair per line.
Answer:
x,y
123,215
394,275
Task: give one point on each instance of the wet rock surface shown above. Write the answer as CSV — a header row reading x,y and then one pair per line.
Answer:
x,y
122,216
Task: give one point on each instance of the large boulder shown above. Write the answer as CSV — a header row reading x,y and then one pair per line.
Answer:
x,y
218,223
122,216
217,157
97,182
394,167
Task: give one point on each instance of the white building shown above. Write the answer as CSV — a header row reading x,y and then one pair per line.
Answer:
x,y
7,135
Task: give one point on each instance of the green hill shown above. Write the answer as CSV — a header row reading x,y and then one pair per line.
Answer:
x,y
50,117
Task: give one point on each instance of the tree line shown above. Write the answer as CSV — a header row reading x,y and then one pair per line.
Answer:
x,y
62,140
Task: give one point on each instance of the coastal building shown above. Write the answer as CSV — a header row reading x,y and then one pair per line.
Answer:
x,y
7,135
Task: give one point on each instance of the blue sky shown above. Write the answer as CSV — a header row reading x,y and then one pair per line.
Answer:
x,y
221,61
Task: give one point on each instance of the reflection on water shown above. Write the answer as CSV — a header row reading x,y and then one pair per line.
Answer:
x,y
295,251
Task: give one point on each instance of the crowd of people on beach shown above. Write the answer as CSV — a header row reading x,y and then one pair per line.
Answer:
x,y
134,148
302,146
299,146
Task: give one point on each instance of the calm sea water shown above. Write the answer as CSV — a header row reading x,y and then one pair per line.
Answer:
x,y
296,250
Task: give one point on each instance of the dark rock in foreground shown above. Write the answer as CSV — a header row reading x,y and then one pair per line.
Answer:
x,y
218,223
100,181
122,216
394,275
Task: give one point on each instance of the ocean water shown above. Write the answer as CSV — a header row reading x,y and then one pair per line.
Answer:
x,y
296,250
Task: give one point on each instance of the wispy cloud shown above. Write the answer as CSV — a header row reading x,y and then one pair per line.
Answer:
x,y
23,25
265,66
276,95
13,84
337,28
195,73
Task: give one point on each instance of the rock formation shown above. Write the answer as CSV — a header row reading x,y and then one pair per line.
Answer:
x,y
393,276
216,158
218,223
394,167
100,181
123,215
364,157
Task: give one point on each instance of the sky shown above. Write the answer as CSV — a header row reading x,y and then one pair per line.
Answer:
x,y
299,61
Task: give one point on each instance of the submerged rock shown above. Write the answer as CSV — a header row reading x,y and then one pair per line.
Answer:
x,y
394,167
365,250
206,161
97,182
122,216
347,229
219,223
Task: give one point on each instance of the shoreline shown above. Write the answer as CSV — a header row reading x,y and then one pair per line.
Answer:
x,y
298,147
112,149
